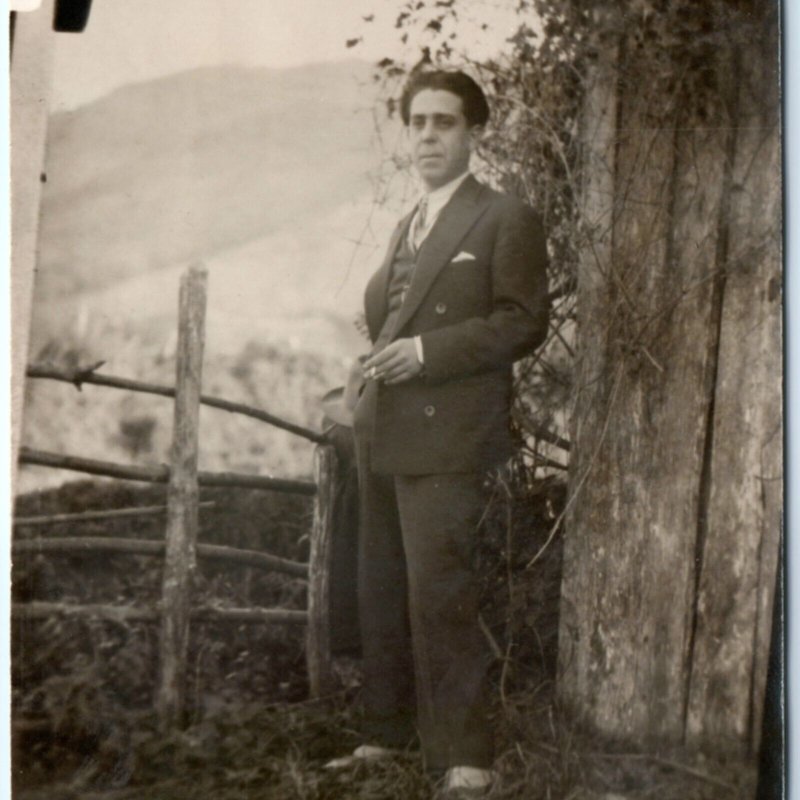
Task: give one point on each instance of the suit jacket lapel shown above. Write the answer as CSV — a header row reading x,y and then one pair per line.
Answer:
x,y
376,294
455,220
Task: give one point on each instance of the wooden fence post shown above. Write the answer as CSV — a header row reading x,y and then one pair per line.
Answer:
x,y
318,641
182,499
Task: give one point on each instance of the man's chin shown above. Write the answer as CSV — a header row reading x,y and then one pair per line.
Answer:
x,y
433,178
429,170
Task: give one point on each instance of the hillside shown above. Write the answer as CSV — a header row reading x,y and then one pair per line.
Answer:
x,y
267,176
191,164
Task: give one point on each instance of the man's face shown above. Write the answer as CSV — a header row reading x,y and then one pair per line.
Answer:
x,y
440,138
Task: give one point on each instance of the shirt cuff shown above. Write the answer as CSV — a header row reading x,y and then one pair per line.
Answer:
x,y
418,348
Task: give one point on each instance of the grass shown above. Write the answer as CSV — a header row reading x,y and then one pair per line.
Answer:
x,y
84,729
279,752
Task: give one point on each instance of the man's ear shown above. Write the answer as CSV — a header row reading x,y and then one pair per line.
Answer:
x,y
475,135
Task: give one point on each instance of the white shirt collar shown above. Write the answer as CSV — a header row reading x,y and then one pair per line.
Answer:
x,y
438,198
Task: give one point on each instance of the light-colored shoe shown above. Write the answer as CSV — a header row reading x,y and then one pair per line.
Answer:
x,y
362,753
467,782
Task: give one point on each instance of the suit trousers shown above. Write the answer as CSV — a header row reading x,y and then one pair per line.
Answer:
x,y
425,658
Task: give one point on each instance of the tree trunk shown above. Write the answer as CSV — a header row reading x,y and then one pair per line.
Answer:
x,y
675,491
738,557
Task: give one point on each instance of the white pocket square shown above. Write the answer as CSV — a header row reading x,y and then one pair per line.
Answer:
x,y
463,256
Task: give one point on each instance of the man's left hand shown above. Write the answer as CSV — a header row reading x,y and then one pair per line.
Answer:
x,y
396,363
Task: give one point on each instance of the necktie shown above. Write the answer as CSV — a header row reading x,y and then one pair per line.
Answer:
x,y
420,223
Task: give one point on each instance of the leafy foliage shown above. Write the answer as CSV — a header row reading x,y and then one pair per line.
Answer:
x,y
86,686
668,55
83,684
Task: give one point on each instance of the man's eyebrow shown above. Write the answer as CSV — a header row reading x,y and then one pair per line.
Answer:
x,y
435,115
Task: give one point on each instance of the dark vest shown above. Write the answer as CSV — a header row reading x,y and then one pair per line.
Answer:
x,y
402,270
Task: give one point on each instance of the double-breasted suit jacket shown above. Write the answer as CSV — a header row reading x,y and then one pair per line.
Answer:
x,y
478,300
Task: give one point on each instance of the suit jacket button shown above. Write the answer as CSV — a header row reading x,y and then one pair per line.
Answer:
x,y
430,411
441,308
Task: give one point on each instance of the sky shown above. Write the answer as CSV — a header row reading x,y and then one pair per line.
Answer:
x,y
130,41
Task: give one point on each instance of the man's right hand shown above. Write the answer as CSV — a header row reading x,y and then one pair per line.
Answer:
x,y
396,363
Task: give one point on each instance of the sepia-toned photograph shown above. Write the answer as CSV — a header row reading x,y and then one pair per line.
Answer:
x,y
396,400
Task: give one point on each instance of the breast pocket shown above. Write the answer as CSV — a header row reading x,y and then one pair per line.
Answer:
x,y
465,287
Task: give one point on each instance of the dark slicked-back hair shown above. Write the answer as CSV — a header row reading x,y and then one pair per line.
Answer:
x,y
473,100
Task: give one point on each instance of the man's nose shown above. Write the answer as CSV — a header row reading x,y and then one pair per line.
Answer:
x,y
428,131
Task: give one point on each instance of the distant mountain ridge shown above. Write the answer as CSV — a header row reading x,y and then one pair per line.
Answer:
x,y
189,165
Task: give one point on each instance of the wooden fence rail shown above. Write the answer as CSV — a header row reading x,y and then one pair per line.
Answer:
x,y
42,610
180,548
160,474
81,375
149,547
95,516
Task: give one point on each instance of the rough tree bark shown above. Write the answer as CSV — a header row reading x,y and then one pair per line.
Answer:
x,y
739,554
675,494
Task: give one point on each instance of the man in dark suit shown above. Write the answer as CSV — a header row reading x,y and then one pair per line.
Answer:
x,y
461,295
